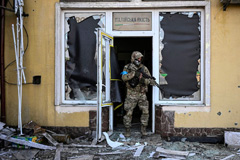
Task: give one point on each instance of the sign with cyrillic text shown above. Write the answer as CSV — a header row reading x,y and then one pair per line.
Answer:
x,y
132,21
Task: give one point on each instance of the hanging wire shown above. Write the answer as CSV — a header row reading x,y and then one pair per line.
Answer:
x,y
9,64
27,39
10,83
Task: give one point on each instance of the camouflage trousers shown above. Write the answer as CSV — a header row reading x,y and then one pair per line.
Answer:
x,y
131,101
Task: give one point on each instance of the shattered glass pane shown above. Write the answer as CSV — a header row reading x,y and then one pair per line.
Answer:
x,y
103,47
80,55
180,67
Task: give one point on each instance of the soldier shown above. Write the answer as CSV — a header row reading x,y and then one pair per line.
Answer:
x,y
137,86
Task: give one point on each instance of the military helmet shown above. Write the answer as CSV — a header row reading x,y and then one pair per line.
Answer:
x,y
136,55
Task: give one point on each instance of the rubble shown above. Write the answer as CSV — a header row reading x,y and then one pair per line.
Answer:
x,y
58,153
83,157
171,153
85,146
228,157
114,147
232,139
139,151
109,153
34,126
50,139
25,154
24,142
61,138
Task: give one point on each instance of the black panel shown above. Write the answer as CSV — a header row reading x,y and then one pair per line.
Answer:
x,y
115,76
180,54
81,69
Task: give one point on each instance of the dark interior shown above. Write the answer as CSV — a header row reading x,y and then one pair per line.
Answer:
x,y
124,46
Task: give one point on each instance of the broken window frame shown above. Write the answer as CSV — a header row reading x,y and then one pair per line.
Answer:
x,y
60,90
204,63
86,15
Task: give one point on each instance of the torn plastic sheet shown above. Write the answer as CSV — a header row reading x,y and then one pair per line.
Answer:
x,y
79,18
81,67
115,78
112,143
179,53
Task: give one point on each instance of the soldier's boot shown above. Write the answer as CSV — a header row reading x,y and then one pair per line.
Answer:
x,y
127,132
144,130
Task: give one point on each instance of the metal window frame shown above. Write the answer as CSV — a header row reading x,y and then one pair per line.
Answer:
x,y
202,65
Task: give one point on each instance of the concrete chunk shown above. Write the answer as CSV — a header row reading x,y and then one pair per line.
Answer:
x,y
232,139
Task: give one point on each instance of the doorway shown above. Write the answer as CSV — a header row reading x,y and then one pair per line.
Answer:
x,y
124,46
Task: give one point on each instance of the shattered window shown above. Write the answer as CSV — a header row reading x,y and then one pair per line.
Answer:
x,y
180,56
81,56
104,69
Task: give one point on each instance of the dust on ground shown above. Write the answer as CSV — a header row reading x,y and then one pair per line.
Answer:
x,y
197,151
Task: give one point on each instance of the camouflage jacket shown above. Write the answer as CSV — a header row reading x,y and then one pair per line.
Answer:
x,y
129,71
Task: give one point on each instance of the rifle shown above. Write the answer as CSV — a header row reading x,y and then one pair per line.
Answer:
x,y
140,70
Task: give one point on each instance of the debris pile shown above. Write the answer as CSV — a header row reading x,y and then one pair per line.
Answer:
x,y
39,143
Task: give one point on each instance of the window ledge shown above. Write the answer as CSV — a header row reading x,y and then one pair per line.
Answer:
x,y
186,109
74,109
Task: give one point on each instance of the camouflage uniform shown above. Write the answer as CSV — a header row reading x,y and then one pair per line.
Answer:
x,y
136,95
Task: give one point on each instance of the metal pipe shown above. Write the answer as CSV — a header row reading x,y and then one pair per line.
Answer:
x,y
3,109
19,76
19,83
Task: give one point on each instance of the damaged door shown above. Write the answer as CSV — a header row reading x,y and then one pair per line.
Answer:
x,y
103,81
